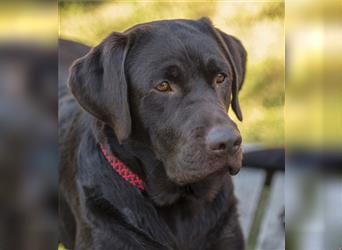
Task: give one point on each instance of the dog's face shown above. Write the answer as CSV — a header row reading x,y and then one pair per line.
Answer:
x,y
169,85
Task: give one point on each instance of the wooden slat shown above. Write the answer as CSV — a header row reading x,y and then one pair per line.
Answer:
x,y
248,187
322,228
272,235
332,198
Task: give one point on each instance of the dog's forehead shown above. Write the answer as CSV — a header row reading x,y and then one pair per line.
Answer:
x,y
181,40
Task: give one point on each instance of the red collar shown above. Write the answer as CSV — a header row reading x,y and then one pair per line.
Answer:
x,y
122,170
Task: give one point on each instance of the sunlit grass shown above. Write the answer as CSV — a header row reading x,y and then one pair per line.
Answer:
x,y
29,22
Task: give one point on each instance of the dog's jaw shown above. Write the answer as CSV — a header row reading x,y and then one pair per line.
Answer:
x,y
165,192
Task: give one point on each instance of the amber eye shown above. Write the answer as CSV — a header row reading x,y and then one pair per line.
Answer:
x,y
163,87
220,78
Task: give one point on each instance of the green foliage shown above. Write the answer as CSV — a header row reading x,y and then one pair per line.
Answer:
x,y
61,247
263,102
259,25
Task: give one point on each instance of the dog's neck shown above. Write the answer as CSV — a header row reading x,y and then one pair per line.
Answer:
x,y
141,160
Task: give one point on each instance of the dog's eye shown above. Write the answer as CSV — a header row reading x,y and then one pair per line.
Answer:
x,y
164,86
220,78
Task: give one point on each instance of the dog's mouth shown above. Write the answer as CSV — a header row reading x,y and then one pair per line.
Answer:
x,y
192,164
233,170
188,178
194,181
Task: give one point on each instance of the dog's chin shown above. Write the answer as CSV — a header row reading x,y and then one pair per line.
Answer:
x,y
206,188
186,178
186,169
168,191
168,187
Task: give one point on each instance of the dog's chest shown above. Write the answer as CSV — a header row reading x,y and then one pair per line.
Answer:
x,y
190,226
181,227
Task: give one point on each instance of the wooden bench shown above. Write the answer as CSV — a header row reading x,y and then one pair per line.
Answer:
x,y
261,206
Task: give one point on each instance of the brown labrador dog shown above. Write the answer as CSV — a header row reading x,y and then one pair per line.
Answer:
x,y
146,145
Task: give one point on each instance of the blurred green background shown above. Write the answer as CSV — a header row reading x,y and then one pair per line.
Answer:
x,y
259,26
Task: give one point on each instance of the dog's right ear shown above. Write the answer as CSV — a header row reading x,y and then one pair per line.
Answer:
x,y
98,82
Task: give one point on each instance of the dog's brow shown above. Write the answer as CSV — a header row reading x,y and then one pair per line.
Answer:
x,y
214,65
166,61
173,71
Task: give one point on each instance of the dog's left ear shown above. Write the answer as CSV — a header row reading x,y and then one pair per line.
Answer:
x,y
237,57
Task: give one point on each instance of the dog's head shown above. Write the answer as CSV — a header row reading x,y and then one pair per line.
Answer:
x,y
169,85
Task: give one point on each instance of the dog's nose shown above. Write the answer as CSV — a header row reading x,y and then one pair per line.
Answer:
x,y
223,139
